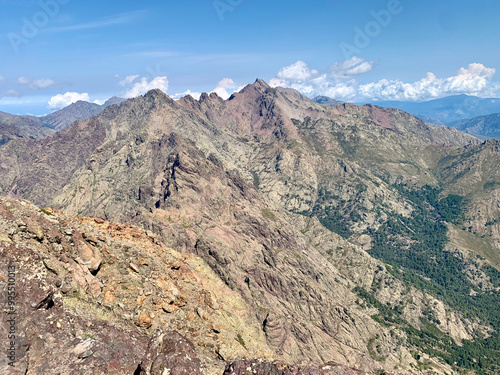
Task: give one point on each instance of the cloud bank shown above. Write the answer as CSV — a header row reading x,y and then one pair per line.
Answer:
x,y
472,80
341,81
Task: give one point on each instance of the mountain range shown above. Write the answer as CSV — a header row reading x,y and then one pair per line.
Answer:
x,y
266,227
482,126
14,127
449,109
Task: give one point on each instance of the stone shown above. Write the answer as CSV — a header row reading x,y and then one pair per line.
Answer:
x,y
134,267
109,298
144,320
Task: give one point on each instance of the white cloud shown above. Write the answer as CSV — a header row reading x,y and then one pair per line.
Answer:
x,y
118,19
222,92
38,84
340,81
330,82
472,80
277,82
353,67
222,87
143,86
128,80
63,100
296,72
41,84
11,94
24,80
99,102
341,90
226,83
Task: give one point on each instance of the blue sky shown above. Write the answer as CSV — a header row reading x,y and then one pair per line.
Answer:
x,y
57,51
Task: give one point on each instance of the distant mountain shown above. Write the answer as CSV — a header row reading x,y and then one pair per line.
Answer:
x,y
430,120
32,127
482,126
325,100
78,111
113,100
450,109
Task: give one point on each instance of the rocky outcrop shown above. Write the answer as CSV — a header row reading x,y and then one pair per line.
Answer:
x,y
88,295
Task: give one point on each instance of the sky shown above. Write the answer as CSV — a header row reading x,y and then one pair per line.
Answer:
x,y
54,52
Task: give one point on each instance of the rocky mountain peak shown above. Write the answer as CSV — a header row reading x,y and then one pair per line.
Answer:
x,y
210,97
259,86
155,98
286,203
156,93
261,82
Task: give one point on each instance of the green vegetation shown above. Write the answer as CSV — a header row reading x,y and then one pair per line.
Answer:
x,y
387,316
492,222
46,212
256,180
349,141
334,222
241,341
491,185
332,218
482,356
267,213
306,124
373,349
414,246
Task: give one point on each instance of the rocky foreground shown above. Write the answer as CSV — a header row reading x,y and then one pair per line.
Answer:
x,y
93,297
